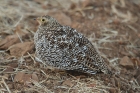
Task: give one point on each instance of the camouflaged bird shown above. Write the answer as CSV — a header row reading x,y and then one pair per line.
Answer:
x,y
64,48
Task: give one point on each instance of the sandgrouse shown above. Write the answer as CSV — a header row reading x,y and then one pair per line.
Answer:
x,y
64,48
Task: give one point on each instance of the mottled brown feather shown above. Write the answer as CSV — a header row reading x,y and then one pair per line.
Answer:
x,y
65,48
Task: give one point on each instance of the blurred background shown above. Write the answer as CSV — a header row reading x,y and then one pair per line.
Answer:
x,y
113,26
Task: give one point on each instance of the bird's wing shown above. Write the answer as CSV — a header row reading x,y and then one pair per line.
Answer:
x,y
77,48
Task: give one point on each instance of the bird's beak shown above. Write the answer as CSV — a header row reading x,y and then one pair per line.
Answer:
x,y
38,20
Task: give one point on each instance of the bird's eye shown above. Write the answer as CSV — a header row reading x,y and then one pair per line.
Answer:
x,y
42,20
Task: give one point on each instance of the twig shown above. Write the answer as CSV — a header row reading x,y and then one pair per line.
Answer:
x,y
31,57
6,86
81,10
131,27
19,37
30,31
19,21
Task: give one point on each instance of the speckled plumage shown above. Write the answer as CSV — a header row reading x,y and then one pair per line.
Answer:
x,y
65,48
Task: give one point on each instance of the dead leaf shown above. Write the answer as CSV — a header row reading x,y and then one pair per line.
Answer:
x,y
13,39
5,76
113,90
68,83
5,32
19,77
92,85
9,69
80,76
86,3
19,31
14,65
8,41
126,62
139,35
34,77
76,25
61,17
25,78
20,49
125,53
136,61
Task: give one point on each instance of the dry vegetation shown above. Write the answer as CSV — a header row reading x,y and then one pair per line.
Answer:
x,y
112,25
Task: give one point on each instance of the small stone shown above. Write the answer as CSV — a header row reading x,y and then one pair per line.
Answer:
x,y
126,62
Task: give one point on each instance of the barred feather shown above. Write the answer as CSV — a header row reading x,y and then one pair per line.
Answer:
x,y
65,48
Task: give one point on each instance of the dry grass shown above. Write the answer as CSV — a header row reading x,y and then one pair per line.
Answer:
x,y
14,13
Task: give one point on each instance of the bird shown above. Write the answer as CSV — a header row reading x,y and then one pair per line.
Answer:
x,y
63,47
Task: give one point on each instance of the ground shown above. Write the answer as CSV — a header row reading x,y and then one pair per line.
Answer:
x,y
111,25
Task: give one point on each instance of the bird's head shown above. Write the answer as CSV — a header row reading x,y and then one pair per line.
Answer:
x,y
47,21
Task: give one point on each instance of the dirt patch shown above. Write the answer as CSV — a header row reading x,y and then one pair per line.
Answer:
x,y
111,25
